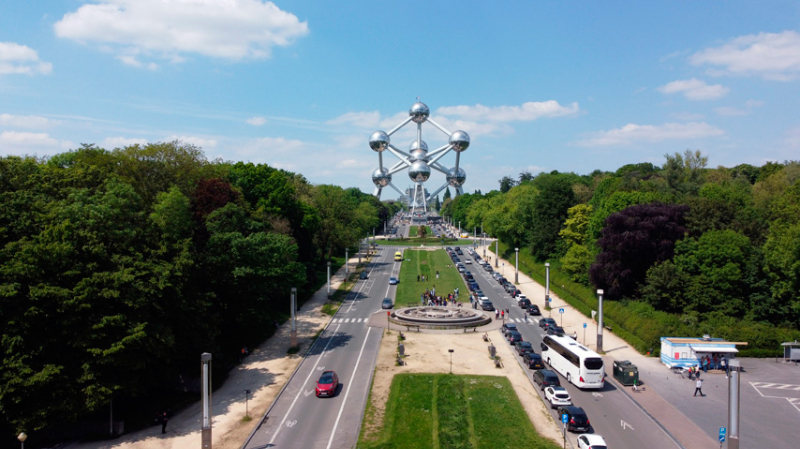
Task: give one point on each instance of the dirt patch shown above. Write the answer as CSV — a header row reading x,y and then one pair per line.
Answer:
x,y
428,353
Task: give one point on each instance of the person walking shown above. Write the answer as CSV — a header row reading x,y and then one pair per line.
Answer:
x,y
164,419
497,314
698,388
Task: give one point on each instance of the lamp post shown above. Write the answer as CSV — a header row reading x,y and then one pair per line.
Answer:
x,y
23,436
600,320
246,411
547,285
205,374
459,229
346,262
451,360
293,305
329,279
496,251
516,268
484,246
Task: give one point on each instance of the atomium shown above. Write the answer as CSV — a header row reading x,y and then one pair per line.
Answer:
x,y
419,160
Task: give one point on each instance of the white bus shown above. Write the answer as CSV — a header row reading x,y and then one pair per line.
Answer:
x,y
579,364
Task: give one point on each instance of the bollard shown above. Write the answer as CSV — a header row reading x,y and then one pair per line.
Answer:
x,y
492,351
401,349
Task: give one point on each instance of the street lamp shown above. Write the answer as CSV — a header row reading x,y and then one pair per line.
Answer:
x,y
346,262
484,245
547,284
205,375
516,269
600,320
23,436
496,251
293,305
451,360
329,279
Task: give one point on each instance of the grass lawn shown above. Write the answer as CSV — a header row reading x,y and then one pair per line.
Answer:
x,y
448,411
412,231
418,262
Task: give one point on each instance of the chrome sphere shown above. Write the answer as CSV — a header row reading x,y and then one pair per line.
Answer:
x,y
419,155
413,146
419,112
419,171
379,141
456,178
459,140
381,177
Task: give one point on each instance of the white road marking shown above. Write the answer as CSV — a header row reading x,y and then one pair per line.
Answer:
x,y
291,423
625,425
308,393
344,401
280,426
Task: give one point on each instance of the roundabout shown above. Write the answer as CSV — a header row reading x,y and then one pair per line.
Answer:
x,y
437,317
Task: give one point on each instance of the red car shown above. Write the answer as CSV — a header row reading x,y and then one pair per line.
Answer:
x,y
327,384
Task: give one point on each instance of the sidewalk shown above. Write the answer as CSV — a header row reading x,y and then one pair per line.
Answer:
x,y
264,373
652,400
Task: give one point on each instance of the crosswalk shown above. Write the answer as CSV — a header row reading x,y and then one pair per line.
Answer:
x,y
349,320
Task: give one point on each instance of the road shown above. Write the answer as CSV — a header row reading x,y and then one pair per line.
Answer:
x,y
611,412
348,346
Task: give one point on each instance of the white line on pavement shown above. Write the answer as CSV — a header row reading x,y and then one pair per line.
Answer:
x,y
341,409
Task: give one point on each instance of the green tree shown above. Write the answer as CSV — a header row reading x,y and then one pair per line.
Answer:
x,y
550,208
506,183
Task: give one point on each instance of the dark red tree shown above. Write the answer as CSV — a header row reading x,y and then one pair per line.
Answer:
x,y
632,241
210,195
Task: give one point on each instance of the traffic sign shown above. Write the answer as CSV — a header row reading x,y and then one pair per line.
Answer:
x,y
561,310
722,432
584,325
564,418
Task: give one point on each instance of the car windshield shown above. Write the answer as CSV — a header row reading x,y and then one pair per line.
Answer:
x,y
326,378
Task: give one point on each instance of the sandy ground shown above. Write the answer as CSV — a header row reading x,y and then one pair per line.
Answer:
x,y
427,353
269,367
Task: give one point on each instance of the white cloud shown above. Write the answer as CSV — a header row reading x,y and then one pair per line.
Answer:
x,y
730,111
632,133
528,111
21,59
773,56
256,121
27,121
192,140
21,143
370,119
121,142
170,29
695,89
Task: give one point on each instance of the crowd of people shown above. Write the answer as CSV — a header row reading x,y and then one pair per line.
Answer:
x,y
430,298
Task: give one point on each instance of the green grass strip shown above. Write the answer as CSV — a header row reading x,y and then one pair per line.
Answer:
x,y
427,263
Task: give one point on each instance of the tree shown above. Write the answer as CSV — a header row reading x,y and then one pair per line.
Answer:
x,y
506,183
632,241
550,208
422,231
525,176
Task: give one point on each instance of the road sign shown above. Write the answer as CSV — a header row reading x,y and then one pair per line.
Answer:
x,y
722,432
561,310
584,325
564,418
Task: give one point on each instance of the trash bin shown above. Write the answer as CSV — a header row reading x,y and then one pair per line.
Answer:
x,y
626,372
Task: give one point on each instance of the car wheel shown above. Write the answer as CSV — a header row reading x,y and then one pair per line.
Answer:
x,y
569,378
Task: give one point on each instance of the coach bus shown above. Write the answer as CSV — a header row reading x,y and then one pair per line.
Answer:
x,y
577,363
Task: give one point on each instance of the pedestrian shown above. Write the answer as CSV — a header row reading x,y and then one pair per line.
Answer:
x,y
164,419
422,298
437,274
698,388
503,314
691,372
705,364
497,314
417,278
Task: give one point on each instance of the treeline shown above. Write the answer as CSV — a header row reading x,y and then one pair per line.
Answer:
x,y
119,268
684,249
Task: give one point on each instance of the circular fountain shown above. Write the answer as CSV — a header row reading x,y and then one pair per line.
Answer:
x,y
437,317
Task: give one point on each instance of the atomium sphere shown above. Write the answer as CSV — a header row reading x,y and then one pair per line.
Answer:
x,y
419,112
419,171
381,177
459,140
379,141
413,146
419,155
456,178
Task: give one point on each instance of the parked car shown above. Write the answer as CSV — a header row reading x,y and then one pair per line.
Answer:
x,y
327,384
577,420
364,275
557,396
545,322
546,378
473,286
479,292
523,346
591,441
461,269
558,331
486,305
524,303
513,336
387,303
467,261
533,309
533,360
520,296
393,281
508,327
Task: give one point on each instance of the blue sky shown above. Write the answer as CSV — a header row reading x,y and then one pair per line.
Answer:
x,y
539,86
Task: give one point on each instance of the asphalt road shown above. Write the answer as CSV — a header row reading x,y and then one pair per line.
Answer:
x,y
611,412
298,419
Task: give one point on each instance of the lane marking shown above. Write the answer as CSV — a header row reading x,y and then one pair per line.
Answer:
x,y
314,368
625,425
344,401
